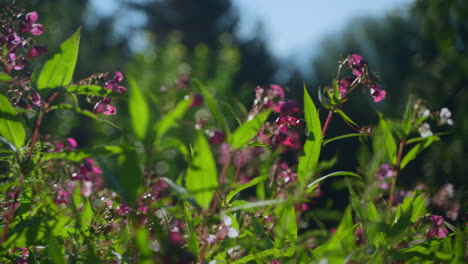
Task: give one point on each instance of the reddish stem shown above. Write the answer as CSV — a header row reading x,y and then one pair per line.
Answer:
x,y
12,211
327,122
396,170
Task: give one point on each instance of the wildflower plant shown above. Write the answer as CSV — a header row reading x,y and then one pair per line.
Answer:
x,y
241,195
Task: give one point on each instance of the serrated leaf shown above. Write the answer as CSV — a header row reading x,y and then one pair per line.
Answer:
x,y
80,154
55,250
243,187
248,130
139,110
414,152
201,179
58,71
10,127
95,90
309,158
373,213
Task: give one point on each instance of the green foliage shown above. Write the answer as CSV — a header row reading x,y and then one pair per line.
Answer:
x,y
246,131
11,128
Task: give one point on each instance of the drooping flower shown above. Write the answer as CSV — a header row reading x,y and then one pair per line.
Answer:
x,y
384,172
357,64
113,84
104,107
29,25
197,101
72,142
377,93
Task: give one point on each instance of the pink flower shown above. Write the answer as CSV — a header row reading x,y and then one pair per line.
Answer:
x,y
437,220
377,93
29,25
357,64
436,230
72,142
114,83
37,50
277,90
104,107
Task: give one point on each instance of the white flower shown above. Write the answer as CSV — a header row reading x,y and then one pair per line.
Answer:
x,y
425,130
227,220
445,115
211,239
233,232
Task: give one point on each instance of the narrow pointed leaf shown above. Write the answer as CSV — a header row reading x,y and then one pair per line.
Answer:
x,y
309,158
139,110
243,187
248,130
214,109
414,152
5,77
201,179
95,90
342,137
389,141
315,183
170,120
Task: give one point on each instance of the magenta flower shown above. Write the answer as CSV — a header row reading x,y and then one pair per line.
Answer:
x,y
114,83
104,107
217,137
287,107
277,90
197,101
37,50
29,25
436,230
377,93
357,64
72,142
384,172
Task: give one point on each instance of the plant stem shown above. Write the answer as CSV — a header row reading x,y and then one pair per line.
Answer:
x,y
12,211
396,170
327,122
222,178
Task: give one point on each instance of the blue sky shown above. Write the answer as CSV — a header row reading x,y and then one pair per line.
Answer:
x,y
292,28
297,25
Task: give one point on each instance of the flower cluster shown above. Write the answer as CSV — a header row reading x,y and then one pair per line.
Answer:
x,y
279,133
14,48
422,114
436,229
383,175
360,75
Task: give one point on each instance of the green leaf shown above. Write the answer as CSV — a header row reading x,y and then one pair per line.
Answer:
x,y
308,160
58,71
459,248
193,239
311,187
373,213
414,152
141,239
89,90
130,176
201,179
220,120
242,205
10,127
257,256
80,154
408,116
338,246
342,137
346,118
139,110
5,77
181,192
86,217
76,198
248,130
55,250
82,112
244,186
286,227
171,118
389,141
